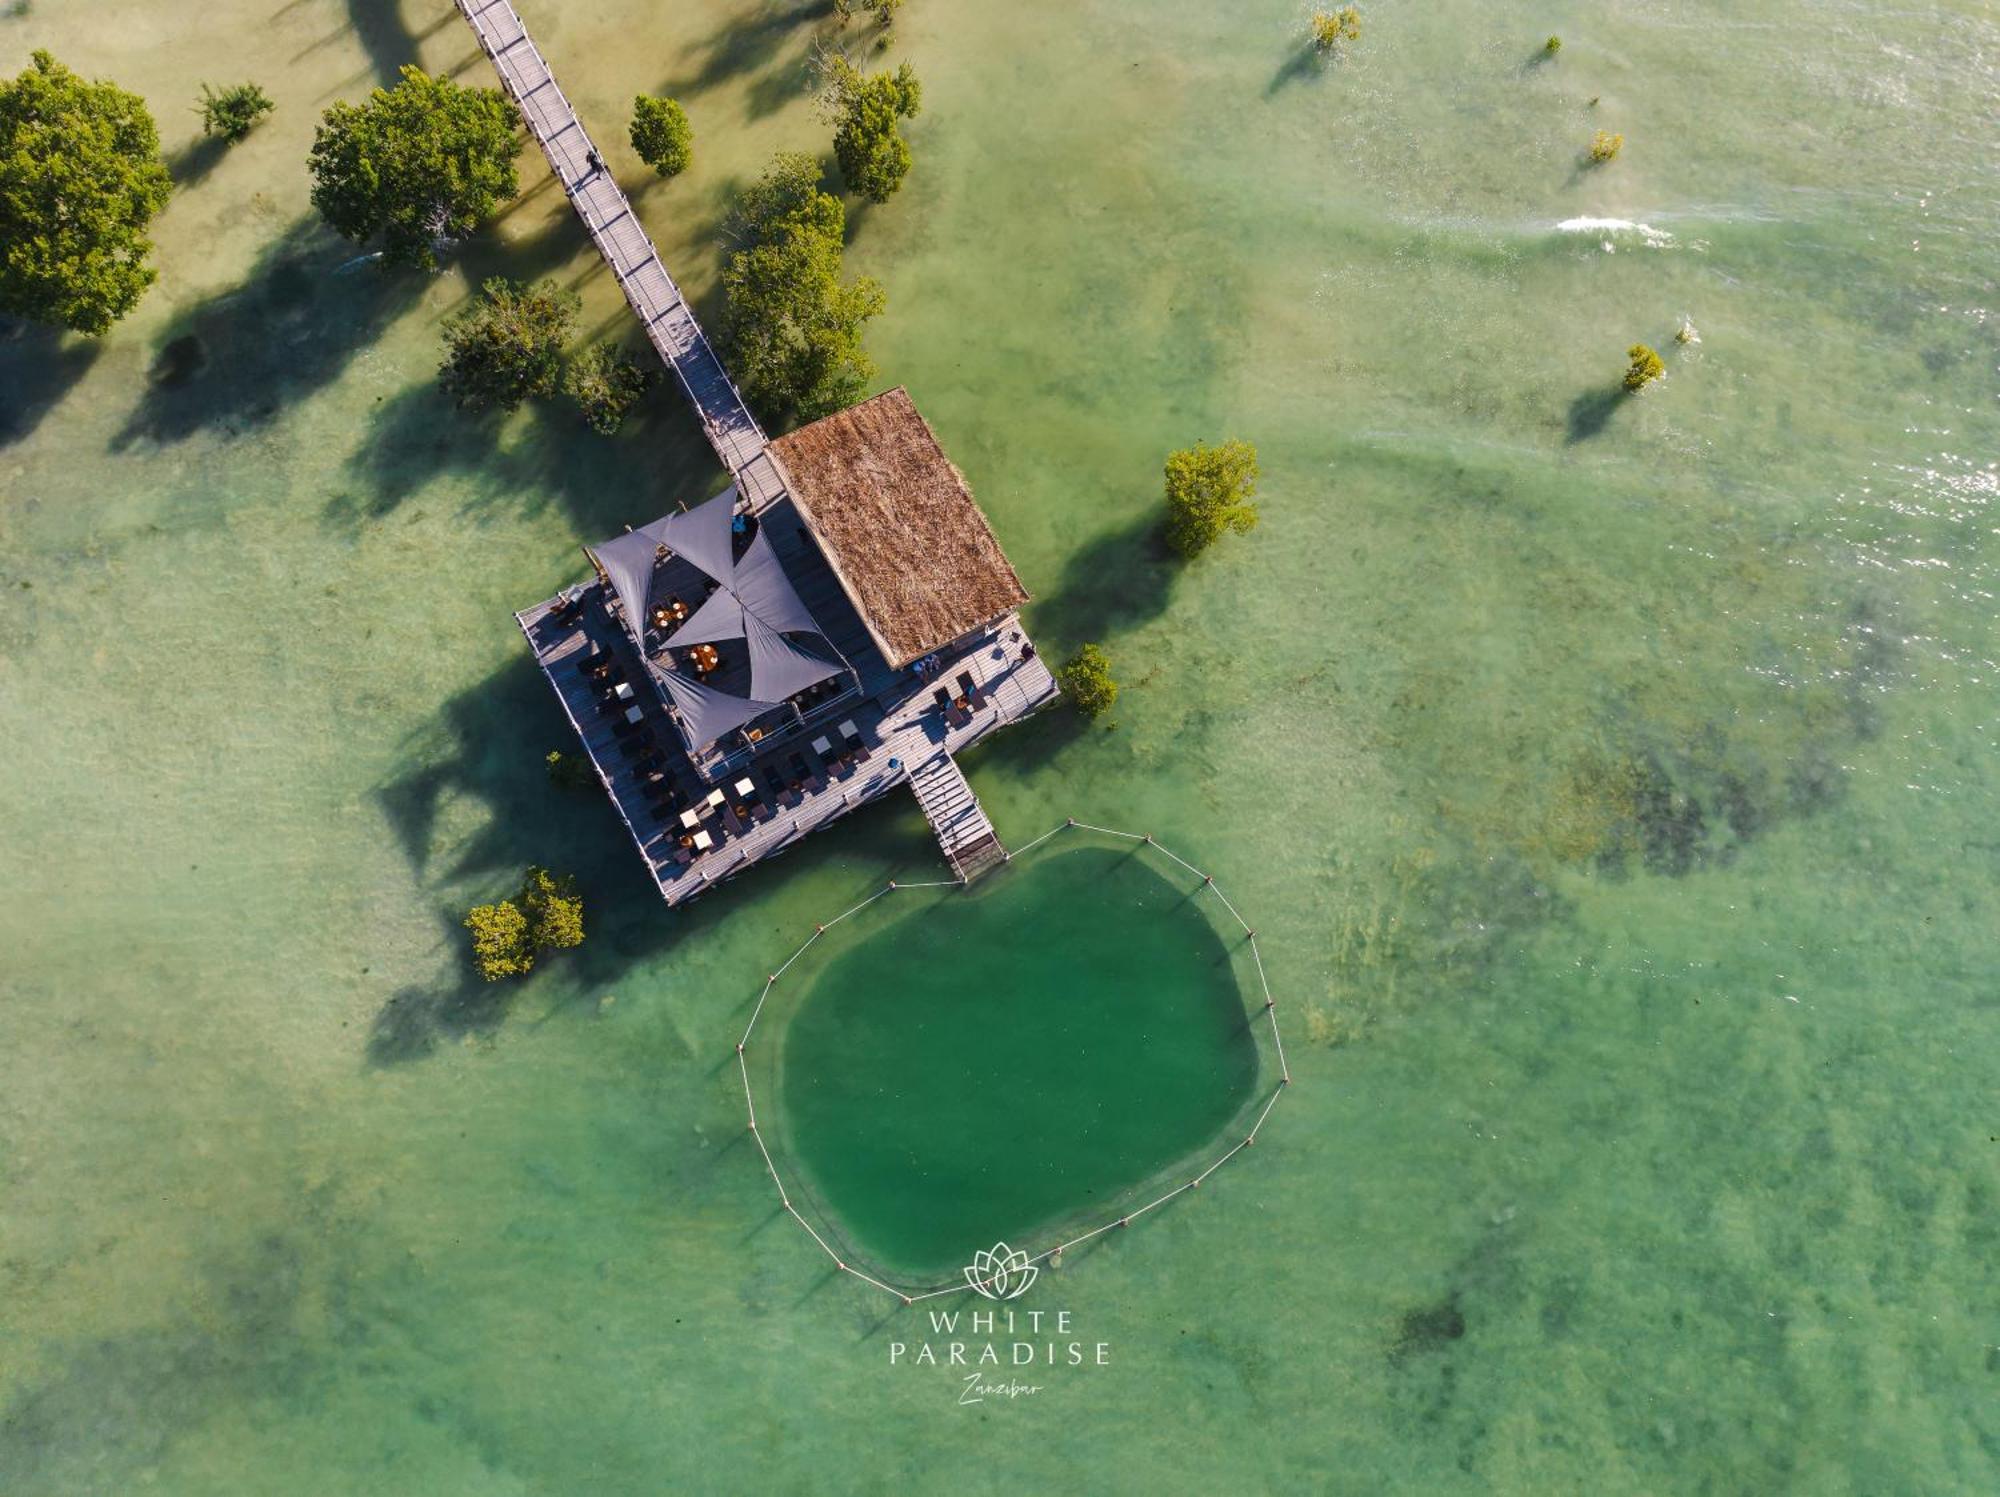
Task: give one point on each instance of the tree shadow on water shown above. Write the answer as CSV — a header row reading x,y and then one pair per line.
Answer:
x,y
484,743
196,160
412,1023
39,366
235,359
414,437
1300,66
1121,578
657,459
745,46
1591,412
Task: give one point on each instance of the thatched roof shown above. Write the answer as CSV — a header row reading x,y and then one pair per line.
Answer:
x,y
898,525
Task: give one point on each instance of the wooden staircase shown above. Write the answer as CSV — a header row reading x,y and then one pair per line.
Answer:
x,y
970,844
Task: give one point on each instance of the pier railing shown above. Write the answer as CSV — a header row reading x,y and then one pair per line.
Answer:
x,y
614,228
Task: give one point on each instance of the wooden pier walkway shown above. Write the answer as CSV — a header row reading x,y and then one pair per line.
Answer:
x,y
970,844
911,742
607,214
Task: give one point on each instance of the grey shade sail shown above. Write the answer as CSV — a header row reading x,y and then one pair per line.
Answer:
x,y
767,592
778,667
706,714
628,561
720,618
754,601
702,534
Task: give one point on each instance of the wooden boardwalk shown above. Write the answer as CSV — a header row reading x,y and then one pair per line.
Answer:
x,y
614,228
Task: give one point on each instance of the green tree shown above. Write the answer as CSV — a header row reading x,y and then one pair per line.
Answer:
x,y
1208,492
1332,27
232,113
794,329
605,381
1644,368
423,161
1604,145
80,179
1086,680
1553,45
546,915
873,156
507,347
500,945
661,135
553,911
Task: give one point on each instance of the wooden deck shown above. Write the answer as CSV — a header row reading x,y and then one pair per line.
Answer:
x,y
902,731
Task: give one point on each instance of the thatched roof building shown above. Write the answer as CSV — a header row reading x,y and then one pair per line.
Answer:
x,y
898,526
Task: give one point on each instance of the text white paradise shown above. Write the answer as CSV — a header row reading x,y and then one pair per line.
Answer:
x,y
1004,1323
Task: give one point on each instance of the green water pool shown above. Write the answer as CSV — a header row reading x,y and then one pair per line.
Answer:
x,y
991,1064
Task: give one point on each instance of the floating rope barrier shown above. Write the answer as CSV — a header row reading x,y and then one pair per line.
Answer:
x,y
911,1296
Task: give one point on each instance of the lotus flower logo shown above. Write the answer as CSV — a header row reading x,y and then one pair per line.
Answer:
x,y
1003,1273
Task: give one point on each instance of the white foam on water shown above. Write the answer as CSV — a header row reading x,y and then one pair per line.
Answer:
x,y
1653,238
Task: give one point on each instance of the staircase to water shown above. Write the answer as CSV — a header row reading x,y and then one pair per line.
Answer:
x,y
970,844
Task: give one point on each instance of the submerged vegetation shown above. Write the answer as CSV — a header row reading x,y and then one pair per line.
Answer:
x,y
884,11
507,937
1644,368
230,114
1330,28
80,179
570,771
508,346
1086,680
421,162
1208,493
606,381
793,327
661,135
865,107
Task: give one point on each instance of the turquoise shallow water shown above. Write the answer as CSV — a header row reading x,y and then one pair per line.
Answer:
x,y
1611,782
1014,1064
